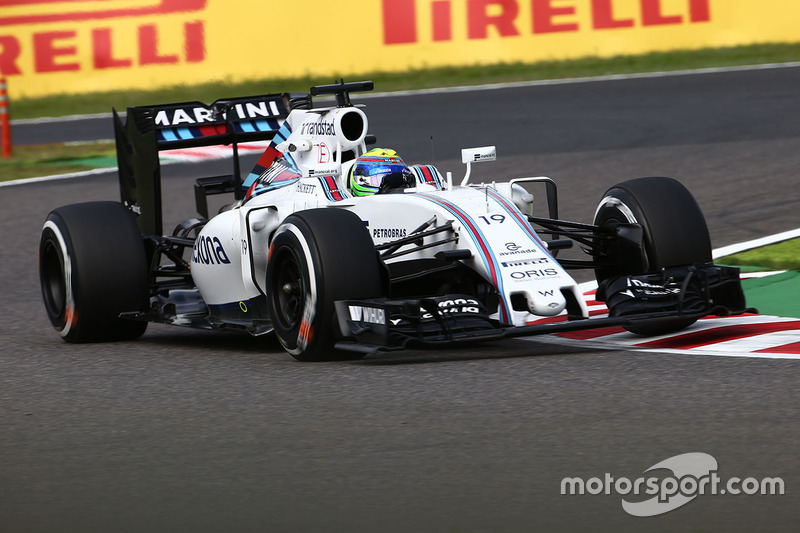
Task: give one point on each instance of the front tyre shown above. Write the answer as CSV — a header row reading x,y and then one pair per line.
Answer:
x,y
92,267
317,257
673,227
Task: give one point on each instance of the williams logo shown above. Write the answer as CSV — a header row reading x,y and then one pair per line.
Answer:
x,y
369,315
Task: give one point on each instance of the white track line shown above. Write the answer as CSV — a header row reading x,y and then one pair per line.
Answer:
x,y
58,177
67,118
495,86
756,243
739,342
591,79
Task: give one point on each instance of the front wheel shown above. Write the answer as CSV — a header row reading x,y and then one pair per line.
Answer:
x,y
92,267
317,257
674,233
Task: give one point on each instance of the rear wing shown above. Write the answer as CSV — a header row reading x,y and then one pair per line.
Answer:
x,y
148,130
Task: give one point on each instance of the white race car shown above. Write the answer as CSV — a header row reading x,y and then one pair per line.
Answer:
x,y
426,260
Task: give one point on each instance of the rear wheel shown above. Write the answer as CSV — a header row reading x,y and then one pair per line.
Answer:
x,y
674,232
92,267
317,257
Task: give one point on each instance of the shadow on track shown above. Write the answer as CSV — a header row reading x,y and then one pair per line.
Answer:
x,y
237,343
505,349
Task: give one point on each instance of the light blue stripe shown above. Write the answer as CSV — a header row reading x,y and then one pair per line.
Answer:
x,y
477,235
523,225
325,188
169,135
250,179
185,133
283,133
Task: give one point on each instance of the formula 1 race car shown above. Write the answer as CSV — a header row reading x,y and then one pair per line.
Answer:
x,y
425,261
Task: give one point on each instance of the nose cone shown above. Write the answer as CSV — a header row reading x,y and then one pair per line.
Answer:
x,y
547,303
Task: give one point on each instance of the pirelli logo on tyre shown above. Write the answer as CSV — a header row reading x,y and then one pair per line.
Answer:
x,y
39,11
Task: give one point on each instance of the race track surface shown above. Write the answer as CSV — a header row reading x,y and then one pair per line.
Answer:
x,y
196,431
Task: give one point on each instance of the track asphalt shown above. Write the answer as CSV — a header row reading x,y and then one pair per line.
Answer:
x,y
194,431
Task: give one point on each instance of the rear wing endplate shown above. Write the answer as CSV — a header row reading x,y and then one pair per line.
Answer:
x,y
148,130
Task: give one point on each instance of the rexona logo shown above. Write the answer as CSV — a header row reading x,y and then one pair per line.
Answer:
x,y
401,18
87,38
209,251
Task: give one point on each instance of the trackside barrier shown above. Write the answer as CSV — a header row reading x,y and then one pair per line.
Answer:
x,y
58,46
5,125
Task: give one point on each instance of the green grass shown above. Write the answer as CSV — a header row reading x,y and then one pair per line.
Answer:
x,y
781,256
415,79
51,159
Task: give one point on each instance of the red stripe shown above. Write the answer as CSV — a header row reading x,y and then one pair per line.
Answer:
x,y
483,247
711,317
562,318
210,131
725,333
268,157
523,222
428,175
793,348
333,188
506,315
587,334
387,159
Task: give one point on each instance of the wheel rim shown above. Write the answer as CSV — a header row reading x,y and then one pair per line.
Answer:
x,y
288,289
54,285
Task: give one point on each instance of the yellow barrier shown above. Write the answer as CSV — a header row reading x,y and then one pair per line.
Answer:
x,y
49,47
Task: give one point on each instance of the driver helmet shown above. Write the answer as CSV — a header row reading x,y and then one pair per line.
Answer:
x,y
368,173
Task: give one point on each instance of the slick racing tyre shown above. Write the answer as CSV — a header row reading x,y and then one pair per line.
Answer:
x,y
92,267
317,257
674,232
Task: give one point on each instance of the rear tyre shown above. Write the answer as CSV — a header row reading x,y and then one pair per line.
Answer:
x,y
92,267
317,257
674,232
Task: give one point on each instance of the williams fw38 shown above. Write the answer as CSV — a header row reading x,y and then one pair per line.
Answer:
x,y
342,250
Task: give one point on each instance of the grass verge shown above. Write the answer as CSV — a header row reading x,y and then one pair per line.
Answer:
x,y
34,161
101,102
781,256
51,159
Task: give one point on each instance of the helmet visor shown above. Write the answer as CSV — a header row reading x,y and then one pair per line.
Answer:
x,y
371,175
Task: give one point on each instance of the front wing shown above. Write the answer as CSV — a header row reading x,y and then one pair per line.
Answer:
x,y
672,296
